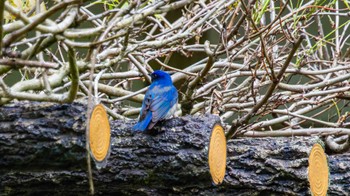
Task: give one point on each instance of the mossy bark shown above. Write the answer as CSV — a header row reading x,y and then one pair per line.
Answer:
x,y
42,151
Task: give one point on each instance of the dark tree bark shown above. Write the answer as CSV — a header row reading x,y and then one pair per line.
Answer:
x,y
42,151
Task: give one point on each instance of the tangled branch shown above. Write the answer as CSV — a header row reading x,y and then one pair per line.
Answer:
x,y
243,61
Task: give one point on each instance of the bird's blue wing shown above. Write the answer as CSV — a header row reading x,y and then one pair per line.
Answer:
x,y
147,101
162,103
145,114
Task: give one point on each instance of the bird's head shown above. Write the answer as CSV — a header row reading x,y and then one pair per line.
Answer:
x,y
160,77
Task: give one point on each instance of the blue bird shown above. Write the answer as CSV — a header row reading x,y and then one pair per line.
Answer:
x,y
159,103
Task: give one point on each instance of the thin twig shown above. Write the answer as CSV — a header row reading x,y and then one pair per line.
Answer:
x,y
246,118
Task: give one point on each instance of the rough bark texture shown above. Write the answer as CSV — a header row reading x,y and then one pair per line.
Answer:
x,y
42,151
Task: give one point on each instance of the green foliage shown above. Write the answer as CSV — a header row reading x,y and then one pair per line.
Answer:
x,y
112,4
260,12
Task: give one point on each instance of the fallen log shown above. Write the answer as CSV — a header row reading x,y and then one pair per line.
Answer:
x,y
42,151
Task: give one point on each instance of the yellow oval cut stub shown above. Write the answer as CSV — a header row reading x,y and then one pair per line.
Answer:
x,y
99,135
318,171
217,154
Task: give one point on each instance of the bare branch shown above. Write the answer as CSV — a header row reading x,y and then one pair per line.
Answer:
x,y
74,74
299,132
20,63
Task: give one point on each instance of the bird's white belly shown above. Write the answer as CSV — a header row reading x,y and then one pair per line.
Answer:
x,y
171,111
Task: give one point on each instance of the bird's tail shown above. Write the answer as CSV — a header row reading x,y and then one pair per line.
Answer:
x,y
143,124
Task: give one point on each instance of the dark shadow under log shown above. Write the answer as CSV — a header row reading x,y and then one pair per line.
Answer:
x,y
42,151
